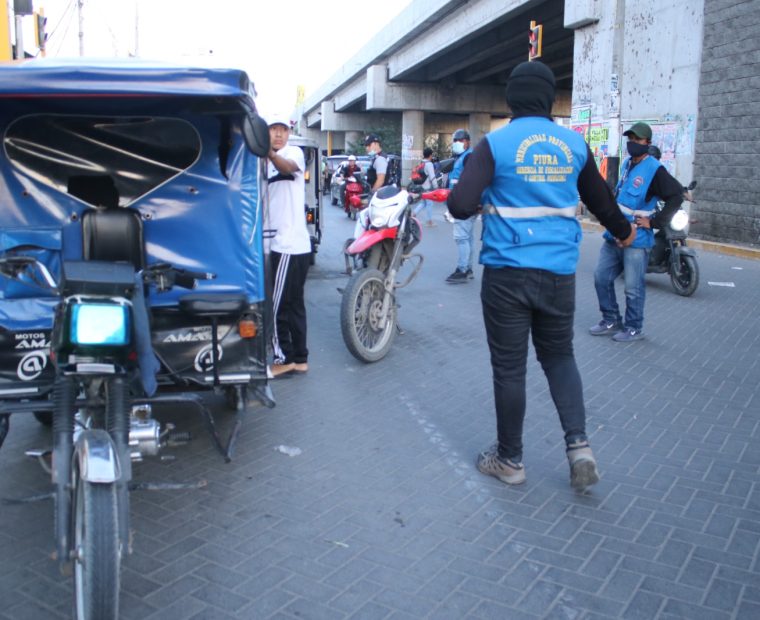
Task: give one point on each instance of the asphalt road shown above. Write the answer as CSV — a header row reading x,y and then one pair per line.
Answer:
x,y
382,514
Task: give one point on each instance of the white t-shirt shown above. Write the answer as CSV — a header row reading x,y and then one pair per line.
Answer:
x,y
429,182
286,203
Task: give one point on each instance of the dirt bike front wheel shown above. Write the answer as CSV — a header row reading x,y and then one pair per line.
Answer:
x,y
361,314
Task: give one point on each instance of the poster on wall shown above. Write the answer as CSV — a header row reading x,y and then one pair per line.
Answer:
x,y
673,136
597,136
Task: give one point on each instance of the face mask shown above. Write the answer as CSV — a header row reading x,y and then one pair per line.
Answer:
x,y
635,149
457,148
372,150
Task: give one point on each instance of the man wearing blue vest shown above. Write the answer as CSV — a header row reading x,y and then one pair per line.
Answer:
x,y
643,180
464,230
527,176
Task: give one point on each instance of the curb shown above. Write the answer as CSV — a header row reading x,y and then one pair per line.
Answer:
x,y
707,246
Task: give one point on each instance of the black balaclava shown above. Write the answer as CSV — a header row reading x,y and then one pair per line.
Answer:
x,y
530,90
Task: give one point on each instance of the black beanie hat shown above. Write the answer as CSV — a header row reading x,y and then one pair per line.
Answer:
x,y
530,89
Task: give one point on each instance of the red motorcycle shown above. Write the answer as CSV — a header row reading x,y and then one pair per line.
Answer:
x,y
386,232
354,192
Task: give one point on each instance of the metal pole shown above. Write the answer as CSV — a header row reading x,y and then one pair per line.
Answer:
x,y
81,27
19,37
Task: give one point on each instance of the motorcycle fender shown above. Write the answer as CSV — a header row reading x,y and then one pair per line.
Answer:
x,y
683,250
96,456
370,238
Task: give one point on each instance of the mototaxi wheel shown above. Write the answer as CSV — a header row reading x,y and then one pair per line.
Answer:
x,y
687,281
360,315
97,555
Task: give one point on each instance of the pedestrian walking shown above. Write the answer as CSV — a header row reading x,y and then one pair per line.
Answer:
x,y
427,185
527,176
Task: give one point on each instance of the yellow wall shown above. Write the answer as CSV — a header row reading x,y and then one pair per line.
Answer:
x,y
5,32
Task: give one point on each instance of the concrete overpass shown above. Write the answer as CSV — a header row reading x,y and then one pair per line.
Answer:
x,y
439,65
443,64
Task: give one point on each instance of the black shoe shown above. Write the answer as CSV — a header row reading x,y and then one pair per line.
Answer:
x,y
470,275
458,277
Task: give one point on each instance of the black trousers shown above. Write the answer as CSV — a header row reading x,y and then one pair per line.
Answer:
x,y
289,337
518,303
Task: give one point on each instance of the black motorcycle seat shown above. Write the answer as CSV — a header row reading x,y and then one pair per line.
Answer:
x,y
213,304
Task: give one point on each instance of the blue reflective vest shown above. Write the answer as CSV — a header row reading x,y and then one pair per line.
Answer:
x,y
456,171
529,208
631,193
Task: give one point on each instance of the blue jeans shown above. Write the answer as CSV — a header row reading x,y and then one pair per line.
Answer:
x,y
519,304
632,263
464,235
427,205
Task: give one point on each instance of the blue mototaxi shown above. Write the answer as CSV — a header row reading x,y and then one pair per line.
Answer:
x,y
143,163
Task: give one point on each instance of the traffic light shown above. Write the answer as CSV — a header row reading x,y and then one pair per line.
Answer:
x,y
40,36
535,35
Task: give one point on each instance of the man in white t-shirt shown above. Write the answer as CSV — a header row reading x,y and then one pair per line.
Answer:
x,y
290,249
428,184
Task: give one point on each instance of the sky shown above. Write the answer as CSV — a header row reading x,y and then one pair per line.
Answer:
x,y
281,44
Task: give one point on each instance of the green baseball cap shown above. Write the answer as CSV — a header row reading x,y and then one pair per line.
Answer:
x,y
640,130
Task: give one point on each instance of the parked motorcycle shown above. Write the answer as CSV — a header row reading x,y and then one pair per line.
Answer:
x,y
108,171
386,234
98,332
670,253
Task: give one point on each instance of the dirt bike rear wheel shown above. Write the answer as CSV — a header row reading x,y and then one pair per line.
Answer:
x,y
686,283
360,314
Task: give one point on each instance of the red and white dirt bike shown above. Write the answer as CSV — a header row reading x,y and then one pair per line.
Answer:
x,y
386,233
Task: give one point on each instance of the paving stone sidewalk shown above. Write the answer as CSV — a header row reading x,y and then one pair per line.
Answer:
x,y
383,514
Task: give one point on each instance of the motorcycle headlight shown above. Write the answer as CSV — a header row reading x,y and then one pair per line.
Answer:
x,y
679,221
99,324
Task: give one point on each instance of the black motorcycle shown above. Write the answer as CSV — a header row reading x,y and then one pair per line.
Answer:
x,y
670,253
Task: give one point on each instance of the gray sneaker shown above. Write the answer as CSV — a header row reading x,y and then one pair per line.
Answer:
x,y
628,335
491,464
603,328
582,463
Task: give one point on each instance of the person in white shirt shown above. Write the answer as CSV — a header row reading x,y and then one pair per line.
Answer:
x,y
290,249
427,185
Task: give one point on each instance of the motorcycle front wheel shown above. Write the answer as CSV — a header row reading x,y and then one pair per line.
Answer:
x,y
685,282
96,548
361,313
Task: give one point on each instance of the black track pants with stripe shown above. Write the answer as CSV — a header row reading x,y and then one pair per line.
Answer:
x,y
289,337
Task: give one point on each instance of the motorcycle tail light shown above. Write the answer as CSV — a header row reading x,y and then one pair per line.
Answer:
x,y
309,218
247,328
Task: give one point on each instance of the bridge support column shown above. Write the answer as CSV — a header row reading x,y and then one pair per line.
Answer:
x,y
412,141
480,125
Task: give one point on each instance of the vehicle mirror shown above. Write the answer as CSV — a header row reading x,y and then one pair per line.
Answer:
x,y
692,185
256,134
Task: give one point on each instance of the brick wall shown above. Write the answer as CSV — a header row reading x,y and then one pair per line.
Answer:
x,y
728,128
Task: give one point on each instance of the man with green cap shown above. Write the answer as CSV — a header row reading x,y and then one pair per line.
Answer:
x,y
643,181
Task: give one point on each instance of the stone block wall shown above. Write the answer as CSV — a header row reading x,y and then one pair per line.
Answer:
x,y
727,148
